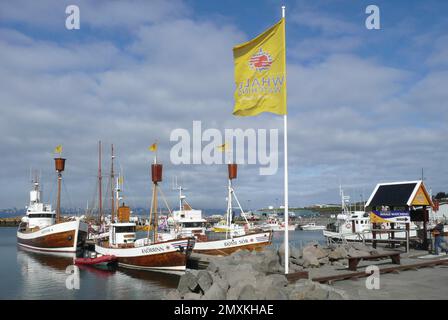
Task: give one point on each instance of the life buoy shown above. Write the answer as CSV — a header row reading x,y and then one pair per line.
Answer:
x,y
348,225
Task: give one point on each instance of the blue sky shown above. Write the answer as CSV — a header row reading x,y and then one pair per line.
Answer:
x,y
365,106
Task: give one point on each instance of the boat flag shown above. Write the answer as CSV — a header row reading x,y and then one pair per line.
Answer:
x,y
153,147
224,147
260,73
260,78
58,149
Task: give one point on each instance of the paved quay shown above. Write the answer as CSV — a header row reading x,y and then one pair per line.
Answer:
x,y
421,284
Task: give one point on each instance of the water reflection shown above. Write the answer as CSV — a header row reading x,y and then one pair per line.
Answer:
x,y
43,276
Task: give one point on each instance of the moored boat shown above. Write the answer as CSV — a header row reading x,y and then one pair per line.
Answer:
x,y
312,226
148,253
43,228
237,237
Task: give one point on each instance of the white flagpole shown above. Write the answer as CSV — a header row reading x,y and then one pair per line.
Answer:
x,y
285,155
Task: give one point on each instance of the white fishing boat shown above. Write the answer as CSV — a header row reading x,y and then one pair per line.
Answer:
x,y
243,238
312,226
186,221
145,254
355,225
276,225
149,253
43,229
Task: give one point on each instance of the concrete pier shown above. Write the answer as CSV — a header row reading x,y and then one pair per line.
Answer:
x,y
10,222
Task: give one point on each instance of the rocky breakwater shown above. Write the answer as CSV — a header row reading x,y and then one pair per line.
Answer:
x,y
248,275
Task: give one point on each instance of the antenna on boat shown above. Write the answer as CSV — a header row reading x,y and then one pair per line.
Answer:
x,y
112,186
100,178
182,198
233,173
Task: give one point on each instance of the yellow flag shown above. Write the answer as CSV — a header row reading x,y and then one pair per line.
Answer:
x,y
58,149
120,180
153,147
223,147
260,73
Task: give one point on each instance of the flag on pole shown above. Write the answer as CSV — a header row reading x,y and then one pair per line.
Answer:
x,y
260,78
153,147
224,147
58,149
260,73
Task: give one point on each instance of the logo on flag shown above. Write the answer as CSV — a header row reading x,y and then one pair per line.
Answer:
x,y
260,61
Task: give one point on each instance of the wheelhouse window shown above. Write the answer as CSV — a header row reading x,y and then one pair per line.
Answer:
x,y
124,229
192,224
41,215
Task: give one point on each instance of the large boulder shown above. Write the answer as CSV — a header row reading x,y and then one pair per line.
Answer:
x,y
234,292
204,280
263,283
297,261
192,296
223,283
173,295
338,253
294,268
318,293
187,283
248,293
300,289
212,267
315,251
309,290
310,261
238,273
276,294
294,252
215,292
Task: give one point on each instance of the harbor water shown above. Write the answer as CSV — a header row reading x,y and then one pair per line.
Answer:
x,y
26,274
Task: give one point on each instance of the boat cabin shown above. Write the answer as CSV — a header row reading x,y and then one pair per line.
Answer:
x,y
38,214
122,234
190,222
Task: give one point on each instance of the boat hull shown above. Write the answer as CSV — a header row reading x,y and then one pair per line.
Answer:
x,y
61,237
251,242
169,255
312,228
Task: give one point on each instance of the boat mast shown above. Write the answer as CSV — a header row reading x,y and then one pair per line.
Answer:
x,y
60,166
112,185
156,176
100,202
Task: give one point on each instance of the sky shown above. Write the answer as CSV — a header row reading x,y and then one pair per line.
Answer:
x,y
364,106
